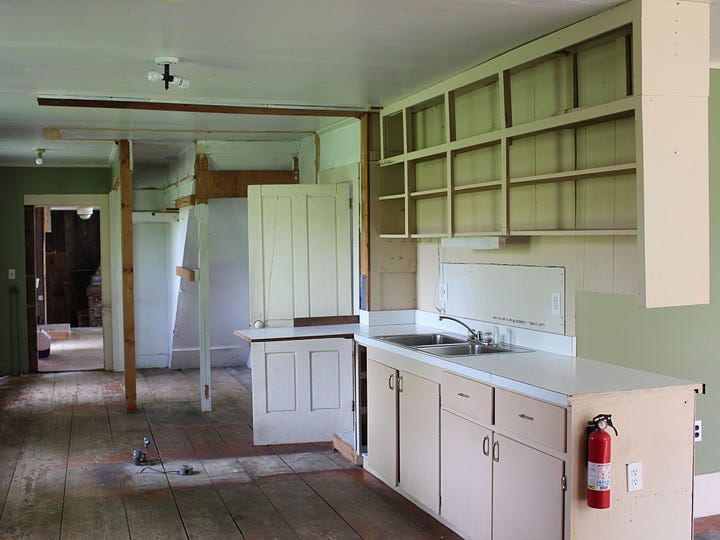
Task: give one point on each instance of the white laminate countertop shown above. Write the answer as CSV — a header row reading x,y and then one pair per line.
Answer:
x,y
548,376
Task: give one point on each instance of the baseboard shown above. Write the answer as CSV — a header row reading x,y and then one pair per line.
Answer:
x,y
706,496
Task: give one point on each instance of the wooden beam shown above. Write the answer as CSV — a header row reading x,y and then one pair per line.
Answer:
x,y
194,107
128,275
226,184
365,212
202,214
187,274
184,202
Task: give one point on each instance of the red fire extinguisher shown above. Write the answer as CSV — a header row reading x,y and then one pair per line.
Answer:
x,y
598,476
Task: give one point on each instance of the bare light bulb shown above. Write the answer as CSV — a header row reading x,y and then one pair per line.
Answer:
x,y
181,82
38,161
39,156
153,76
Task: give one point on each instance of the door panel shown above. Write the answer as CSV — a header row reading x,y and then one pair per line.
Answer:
x,y
524,478
300,252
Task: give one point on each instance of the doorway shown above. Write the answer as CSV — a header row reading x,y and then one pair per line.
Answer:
x,y
66,256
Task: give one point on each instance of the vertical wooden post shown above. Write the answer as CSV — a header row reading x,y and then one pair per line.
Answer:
x,y
202,213
127,275
364,212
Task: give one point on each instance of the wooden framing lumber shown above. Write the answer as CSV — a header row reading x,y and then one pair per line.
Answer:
x,y
187,274
322,321
47,101
184,202
364,212
128,275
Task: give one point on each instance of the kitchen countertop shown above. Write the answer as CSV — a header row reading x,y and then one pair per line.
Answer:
x,y
548,376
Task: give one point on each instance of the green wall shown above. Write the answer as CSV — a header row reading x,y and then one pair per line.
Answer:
x,y
15,183
683,341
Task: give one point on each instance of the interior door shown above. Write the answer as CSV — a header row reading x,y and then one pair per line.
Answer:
x,y
300,252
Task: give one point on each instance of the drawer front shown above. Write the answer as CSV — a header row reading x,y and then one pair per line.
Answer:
x,y
530,418
469,398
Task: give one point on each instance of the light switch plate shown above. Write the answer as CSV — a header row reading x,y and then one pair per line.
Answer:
x,y
11,273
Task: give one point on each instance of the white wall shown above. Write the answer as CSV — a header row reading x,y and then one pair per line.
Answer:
x,y
152,344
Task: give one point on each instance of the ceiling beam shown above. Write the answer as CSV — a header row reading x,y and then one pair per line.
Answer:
x,y
195,107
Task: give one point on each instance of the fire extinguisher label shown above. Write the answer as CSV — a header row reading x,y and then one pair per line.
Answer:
x,y
598,476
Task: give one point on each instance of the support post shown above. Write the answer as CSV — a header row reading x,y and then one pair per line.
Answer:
x,y
202,213
127,275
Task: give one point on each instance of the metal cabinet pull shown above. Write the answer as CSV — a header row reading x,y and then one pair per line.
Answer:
x,y
463,395
496,452
390,382
486,445
526,417
400,383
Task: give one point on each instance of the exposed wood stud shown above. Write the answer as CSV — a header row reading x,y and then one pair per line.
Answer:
x,y
187,274
507,98
127,275
184,202
226,184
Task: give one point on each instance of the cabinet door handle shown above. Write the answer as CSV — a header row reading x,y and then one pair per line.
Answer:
x,y
526,417
486,445
463,395
400,383
390,382
496,452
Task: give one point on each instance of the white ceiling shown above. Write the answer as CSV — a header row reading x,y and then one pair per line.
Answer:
x,y
327,53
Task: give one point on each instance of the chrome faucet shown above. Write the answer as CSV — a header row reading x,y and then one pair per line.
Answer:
x,y
473,335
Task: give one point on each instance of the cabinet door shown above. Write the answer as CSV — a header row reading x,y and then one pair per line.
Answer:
x,y
420,439
527,492
302,390
466,476
382,421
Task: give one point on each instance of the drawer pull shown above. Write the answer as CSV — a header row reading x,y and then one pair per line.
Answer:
x,y
463,395
496,452
486,445
526,417
390,382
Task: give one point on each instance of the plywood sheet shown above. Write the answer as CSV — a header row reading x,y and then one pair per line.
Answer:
x,y
530,297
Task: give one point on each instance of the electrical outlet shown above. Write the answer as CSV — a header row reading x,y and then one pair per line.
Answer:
x,y
11,273
698,430
443,292
634,476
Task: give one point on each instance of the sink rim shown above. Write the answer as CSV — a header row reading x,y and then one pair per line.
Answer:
x,y
455,341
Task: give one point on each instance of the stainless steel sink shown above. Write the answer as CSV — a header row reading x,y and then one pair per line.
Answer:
x,y
418,340
466,349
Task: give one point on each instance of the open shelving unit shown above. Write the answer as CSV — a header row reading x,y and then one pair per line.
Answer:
x,y
526,144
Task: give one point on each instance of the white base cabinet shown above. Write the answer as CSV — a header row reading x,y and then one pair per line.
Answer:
x,y
404,431
302,390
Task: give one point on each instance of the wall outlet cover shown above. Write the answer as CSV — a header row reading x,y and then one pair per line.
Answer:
x,y
634,476
698,431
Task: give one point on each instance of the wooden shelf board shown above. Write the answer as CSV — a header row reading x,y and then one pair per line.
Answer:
x,y
478,186
426,154
477,233
429,193
429,235
401,235
576,232
391,197
491,138
610,170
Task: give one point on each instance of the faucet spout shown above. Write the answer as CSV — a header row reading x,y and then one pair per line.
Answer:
x,y
473,335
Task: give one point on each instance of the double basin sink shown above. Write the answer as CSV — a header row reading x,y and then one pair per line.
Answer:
x,y
445,345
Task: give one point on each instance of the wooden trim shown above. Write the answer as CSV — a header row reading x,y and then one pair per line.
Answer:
x,y
116,184
184,202
317,158
346,450
365,212
296,338
128,276
194,107
322,321
227,184
187,274
507,99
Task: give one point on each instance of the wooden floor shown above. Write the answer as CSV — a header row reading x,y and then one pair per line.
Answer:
x,y
67,470
81,350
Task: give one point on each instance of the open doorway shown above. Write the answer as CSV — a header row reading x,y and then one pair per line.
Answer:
x,y
66,257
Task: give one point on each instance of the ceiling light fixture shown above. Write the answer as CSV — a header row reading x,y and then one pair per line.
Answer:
x,y
39,156
85,212
166,62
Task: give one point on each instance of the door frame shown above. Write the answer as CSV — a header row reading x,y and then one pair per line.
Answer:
x,y
102,202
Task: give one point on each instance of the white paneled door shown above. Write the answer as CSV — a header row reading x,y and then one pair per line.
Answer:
x,y
300,252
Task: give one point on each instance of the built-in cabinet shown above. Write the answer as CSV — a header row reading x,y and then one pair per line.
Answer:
x,y
543,146
302,390
581,132
404,431
493,486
